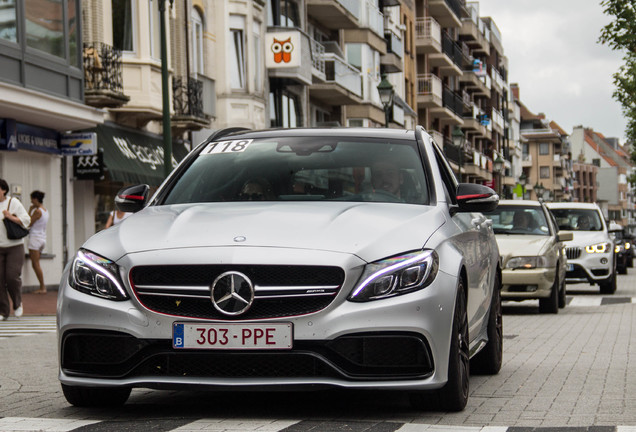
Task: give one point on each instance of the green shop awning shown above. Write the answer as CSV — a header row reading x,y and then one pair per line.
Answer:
x,y
132,156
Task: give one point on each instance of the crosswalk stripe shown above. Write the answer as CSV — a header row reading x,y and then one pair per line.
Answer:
x,y
585,301
27,326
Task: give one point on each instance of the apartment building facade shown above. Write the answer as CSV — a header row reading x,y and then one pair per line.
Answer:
x,y
614,169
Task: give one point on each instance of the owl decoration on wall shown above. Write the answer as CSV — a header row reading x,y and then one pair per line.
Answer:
x,y
282,50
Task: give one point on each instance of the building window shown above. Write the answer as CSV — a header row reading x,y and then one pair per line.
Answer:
x,y
73,35
596,162
544,148
284,109
45,26
8,26
257,60
197,42
155,28
237,52
544,172
122,25
283,13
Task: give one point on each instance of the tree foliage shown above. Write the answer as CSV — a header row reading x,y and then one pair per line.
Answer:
x,y
620,35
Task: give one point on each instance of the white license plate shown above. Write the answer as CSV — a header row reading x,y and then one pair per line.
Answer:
x,y
232,336
570,267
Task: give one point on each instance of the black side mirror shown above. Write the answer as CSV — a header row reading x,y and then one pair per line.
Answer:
x,y
472,197
132,199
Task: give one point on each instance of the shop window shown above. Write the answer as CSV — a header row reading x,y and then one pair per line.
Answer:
x,y
123,30
8,26
237,52
197,42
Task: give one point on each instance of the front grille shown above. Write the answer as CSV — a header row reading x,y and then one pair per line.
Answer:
x,y
600,272
280,291
351,357
573,252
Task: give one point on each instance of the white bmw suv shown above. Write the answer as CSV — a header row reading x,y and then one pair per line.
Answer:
x,y
590,253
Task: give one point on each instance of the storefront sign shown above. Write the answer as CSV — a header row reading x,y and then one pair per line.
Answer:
x,y
283,50
8,135
37,139
76,144
88,167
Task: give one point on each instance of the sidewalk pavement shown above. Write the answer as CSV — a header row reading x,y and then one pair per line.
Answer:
x,y
39,304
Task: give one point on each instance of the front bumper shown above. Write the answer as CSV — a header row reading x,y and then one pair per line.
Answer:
x,y
395,343
592,268
527,284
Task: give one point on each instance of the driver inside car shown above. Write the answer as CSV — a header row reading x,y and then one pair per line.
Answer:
x,y
387,177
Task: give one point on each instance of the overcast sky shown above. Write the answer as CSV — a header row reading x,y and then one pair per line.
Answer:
x,y
554,56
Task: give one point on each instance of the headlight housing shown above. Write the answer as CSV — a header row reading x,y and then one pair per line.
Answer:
x,y
527,262
598,248
397,275
96,275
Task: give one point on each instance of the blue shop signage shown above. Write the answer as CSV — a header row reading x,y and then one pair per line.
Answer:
x,y
14,136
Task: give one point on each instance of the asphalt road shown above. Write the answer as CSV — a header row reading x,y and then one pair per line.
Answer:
x,y
573,369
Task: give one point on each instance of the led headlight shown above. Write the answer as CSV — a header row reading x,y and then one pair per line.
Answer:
x,y
598,248
618,248
397,275
93,274
527,262
627,245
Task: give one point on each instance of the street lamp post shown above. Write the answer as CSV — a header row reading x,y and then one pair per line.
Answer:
x,y
165,91
458,142
385,89
498,165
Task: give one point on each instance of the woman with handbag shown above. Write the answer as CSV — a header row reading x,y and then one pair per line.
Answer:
x,y
11,253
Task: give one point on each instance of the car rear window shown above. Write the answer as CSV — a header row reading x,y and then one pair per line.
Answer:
x,y
304,169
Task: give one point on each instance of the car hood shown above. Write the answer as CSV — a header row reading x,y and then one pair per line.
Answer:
x,y
369,230
522,245
586,238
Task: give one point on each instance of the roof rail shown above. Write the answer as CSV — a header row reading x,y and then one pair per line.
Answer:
x,y
224,132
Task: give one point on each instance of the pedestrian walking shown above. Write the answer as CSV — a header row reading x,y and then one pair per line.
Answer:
x,y
11,254
37,235
115,217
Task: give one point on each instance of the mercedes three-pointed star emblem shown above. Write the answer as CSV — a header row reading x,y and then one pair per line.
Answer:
x,y
232,293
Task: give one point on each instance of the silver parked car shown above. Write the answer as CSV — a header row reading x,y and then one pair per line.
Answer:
x,y
532,253
297,258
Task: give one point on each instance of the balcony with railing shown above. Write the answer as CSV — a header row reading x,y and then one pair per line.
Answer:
x,y
476,81
428,36
498,82
497,121
471,32
342,85
372,17
429,91
473,121
317,59
447,12
103,76
335,14
187,103
451,60
392,60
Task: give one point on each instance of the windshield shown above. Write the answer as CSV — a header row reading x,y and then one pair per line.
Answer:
x,y
578,219
304,169
524,220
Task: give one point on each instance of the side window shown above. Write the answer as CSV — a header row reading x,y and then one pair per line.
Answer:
x,y
450,182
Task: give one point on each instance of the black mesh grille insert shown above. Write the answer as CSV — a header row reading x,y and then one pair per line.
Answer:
x,y
573,252
355,357
179,278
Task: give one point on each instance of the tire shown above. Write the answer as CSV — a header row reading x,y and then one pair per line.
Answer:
x,y
96,396
551,304
630,261
609,286
454,395
488,361
562,299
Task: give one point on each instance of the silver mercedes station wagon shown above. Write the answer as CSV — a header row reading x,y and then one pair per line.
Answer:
x,y
295,258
